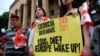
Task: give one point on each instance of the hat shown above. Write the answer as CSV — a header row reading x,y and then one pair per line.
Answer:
x,y
14,16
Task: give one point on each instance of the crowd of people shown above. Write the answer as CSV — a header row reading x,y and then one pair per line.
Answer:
x,y
16,35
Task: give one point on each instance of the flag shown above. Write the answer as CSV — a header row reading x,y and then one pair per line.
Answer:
x,y
19,40
86,19
43,19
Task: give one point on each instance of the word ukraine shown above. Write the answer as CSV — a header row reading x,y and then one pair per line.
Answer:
x,y
46,28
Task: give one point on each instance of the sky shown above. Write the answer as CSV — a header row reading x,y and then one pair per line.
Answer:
x,y
5,5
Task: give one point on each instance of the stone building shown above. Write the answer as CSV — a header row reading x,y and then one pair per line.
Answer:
x,y
25,9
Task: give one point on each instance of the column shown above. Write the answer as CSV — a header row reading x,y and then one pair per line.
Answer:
x,y
9,21
33,6
46,6
24,25
19,14
59,2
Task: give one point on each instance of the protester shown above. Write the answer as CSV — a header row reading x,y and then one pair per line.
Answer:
x,y
66,7
40,18
15,38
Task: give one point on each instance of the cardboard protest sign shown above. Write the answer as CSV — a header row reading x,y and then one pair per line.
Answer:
x,y
58,37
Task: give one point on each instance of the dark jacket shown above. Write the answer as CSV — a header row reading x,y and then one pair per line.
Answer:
x,y
95,14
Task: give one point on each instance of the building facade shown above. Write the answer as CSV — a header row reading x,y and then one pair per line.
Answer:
x,y
25,9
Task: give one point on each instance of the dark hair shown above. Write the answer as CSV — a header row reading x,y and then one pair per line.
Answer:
x,y
42,10
75,4
62,9
14,16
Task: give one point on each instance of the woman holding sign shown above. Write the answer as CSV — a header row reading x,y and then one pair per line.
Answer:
x,y
67,8
40,18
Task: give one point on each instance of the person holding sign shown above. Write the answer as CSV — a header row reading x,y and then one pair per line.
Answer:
x,y
67,8
15,39
40,18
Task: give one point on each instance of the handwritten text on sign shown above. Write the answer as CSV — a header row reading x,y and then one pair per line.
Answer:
x,y
59,36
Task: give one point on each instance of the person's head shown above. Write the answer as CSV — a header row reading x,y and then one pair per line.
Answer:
x,y
40,12
75,3
14,20
62,8
64,3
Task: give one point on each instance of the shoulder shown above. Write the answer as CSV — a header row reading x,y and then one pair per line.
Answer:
x,y
80,9
46,18
37,21
8,30
83,6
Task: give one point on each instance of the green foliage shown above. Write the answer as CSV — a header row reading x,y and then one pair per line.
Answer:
x,y
5,15
4,20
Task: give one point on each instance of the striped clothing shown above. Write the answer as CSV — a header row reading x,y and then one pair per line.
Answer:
x,y
9,48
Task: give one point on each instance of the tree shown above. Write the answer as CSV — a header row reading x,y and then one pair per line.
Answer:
x,y
4,20
5,15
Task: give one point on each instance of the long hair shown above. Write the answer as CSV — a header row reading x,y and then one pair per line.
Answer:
x,y
62,9
42,10
75,4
